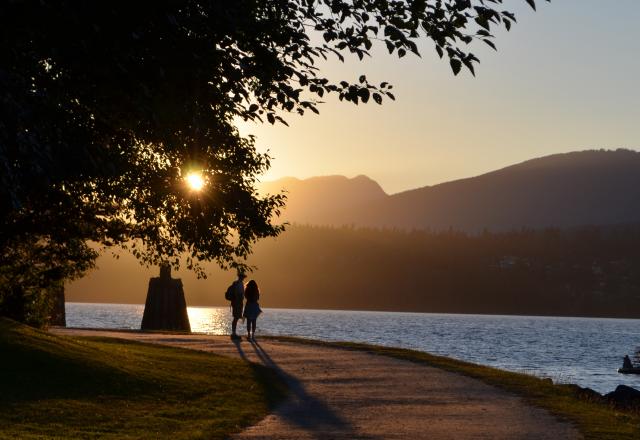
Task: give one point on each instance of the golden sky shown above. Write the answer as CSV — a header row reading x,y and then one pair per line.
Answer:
x,y
565,78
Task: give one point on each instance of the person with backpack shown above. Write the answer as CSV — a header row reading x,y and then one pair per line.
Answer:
x,y
252,308
235,294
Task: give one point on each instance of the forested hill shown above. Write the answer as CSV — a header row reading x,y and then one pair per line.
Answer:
x,y
595,187
583,272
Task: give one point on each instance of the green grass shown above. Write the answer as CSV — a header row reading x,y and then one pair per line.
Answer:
x,y
62,387
594,418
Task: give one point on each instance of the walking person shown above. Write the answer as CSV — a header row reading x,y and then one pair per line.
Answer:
x,y
252,308
235,294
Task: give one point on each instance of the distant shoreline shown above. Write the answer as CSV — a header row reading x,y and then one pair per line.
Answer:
x,y
514,315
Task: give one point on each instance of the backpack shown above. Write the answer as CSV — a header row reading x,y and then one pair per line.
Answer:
x,y
229,294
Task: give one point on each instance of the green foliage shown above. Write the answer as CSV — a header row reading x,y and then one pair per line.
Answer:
x,y
59,387
106,106
32,268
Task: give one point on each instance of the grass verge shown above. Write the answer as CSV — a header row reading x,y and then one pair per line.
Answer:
x,y
594,418
62,387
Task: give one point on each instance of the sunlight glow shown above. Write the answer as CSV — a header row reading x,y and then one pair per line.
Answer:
x,y
210,320
195,180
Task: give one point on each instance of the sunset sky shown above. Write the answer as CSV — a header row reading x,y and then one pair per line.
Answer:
x,y
565,78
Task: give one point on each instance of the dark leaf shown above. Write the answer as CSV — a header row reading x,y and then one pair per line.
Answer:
x,y
456,65
490,44
364,95
390,46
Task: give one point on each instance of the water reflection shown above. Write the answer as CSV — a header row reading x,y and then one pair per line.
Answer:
x,y
213,321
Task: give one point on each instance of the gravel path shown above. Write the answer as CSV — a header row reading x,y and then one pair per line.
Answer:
x,y
347,394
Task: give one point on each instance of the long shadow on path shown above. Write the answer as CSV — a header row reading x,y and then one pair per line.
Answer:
x,y
304,410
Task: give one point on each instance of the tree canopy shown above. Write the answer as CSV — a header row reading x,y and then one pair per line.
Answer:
x,y
106,106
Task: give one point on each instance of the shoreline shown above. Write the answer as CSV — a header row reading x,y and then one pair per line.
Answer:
x,y
612,396
594,418
497,315
582,351
588,405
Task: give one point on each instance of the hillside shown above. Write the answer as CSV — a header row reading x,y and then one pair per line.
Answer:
x,y
324,200
524,272
595,187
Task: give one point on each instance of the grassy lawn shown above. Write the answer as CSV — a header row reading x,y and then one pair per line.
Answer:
x,y
61,387
595,420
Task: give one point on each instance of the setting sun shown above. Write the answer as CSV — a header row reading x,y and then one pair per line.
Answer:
x,y
195,180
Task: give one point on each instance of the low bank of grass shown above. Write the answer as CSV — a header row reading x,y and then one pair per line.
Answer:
x,y
595,419
62,387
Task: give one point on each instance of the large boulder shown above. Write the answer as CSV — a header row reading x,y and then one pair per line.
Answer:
x,y
624,396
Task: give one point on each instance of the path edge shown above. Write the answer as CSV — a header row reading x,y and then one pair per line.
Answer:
x,y
588,411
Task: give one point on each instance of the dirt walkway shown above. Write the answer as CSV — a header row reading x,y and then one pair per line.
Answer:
x,y
345,394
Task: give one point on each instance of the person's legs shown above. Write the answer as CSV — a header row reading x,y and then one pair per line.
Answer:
x,y
236,312
248,328
234,325
253,327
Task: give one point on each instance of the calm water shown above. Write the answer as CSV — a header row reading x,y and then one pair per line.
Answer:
x,y
586,351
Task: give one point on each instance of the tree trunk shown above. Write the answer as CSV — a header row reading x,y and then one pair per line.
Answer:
x,y
58,315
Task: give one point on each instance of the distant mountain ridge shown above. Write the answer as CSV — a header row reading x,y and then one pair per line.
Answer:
x,y
318,200
594,187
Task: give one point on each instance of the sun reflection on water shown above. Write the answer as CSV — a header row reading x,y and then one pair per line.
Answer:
x,y
210,320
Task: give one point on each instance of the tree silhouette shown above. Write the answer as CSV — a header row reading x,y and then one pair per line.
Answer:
x,y
105,106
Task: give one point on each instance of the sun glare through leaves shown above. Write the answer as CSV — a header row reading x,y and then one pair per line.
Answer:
x,y
195,181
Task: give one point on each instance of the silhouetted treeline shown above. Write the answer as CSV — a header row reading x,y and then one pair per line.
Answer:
x,y
590,271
